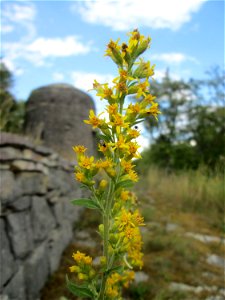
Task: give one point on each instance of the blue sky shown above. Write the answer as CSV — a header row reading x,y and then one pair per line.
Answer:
x,y
47,42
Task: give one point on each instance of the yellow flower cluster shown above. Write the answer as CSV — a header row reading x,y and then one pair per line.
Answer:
x,y
115,283
117,131
83,266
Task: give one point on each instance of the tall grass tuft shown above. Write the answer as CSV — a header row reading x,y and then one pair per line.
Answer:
x,y
194,191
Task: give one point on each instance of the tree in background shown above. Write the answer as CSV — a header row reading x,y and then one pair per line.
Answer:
x,y
11,111
191,130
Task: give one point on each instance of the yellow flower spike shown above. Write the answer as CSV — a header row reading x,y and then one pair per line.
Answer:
x,y
144,70
94,120
153,110
120,231
112,109
142,89
132,149
79,149
103,164
124,219
133,176
79,176
87,260
138,219
86,162
149,99
133,108
121,88
113,51
119,121
132,134
121,144
127,165
104,92
124,195
103,147
78,256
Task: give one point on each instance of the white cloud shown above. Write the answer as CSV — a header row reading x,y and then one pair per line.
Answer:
x,y
19,13
84,80
129,14
57,76
173,58
41,48
22,14
6,28
58,47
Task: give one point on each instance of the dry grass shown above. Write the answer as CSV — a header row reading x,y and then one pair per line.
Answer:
x,y
191,191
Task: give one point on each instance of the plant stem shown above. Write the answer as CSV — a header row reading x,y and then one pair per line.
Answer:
x,y
106,222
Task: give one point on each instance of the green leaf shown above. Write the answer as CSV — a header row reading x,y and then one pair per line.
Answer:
x,y
104,137
125,184
88,203
78,290
118,269
137,122
132,84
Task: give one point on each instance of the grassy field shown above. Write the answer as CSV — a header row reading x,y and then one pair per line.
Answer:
x,y
176,207
190,191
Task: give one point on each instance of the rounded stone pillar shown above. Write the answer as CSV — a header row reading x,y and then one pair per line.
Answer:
x,y
54,118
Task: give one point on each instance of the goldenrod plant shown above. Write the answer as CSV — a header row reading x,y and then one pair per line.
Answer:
x,y
110,195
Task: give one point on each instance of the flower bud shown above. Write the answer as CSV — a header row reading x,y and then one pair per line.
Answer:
x,y
82,276
101,229
142,47
102,260
103,183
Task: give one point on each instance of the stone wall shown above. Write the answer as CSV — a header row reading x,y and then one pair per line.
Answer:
x,y
36,215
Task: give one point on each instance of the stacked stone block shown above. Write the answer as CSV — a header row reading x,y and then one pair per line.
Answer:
x,y
36,215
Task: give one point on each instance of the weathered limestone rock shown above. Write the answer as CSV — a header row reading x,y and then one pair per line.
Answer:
x,y
29,183
20,233
21,203
19,165
57,241
41,218
7,186
141,277
58,212
216,260
71,213
36,271
54,116
61,180
6,258
15,290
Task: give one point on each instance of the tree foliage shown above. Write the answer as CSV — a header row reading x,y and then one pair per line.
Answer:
x,y
191,129
11,111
